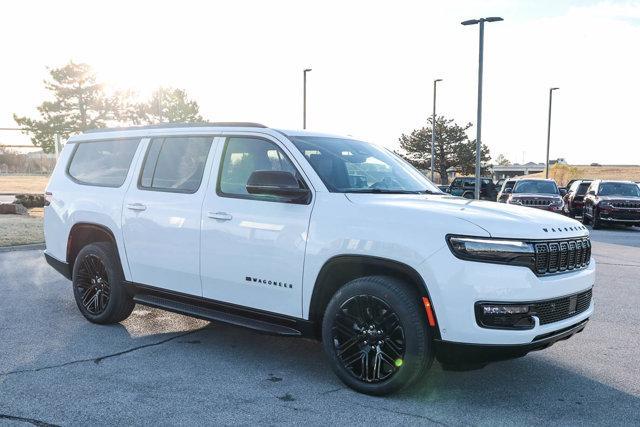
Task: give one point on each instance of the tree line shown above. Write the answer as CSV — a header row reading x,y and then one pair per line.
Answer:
x,y
79,102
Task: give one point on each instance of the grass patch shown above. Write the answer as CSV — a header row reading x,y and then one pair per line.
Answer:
x,y
14,184
22,229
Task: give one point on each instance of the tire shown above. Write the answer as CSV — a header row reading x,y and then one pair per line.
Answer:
x,y
98,285
596,224
403,352
468,195
585,219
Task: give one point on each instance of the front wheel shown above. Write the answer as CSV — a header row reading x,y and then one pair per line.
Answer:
x,y
98,285
376,335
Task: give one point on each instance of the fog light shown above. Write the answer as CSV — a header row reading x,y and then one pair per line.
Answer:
x,y
505,309
504,316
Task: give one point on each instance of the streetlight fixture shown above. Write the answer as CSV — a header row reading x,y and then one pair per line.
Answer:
x,y
549,130
480,21
433,130
304,97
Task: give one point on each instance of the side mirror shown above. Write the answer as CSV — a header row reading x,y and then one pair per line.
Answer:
x,y
277,183
591,193
563,191
508,190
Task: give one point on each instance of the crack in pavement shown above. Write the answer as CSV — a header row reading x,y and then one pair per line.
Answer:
x,y
618,265
27,420
397,412
99,359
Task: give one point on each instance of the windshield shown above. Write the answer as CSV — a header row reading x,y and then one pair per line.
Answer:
x,y
536,187
350,166
582,189
619,189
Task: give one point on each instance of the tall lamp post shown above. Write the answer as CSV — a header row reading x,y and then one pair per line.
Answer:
x,y
546,174
433,130
304,97
480,21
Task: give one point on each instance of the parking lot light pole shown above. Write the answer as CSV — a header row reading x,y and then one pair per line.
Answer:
x,y
433,130
480,21
546,174
304,97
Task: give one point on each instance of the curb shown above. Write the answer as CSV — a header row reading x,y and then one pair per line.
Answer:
x,y
30,247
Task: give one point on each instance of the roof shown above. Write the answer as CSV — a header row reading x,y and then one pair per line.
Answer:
x,y
164,129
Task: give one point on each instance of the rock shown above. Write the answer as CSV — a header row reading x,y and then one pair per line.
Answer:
x,y
12,208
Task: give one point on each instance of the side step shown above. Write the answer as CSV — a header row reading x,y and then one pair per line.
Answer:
x,y
207,313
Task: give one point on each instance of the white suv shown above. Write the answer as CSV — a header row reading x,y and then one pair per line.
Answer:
x,y
303,234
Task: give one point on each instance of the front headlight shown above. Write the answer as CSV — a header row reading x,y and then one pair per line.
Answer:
x,y
500,251
512,201
605,205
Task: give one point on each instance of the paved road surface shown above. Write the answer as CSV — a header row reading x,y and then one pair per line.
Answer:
x,y
164,368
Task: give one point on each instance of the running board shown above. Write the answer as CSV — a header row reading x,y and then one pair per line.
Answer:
x,y
216,315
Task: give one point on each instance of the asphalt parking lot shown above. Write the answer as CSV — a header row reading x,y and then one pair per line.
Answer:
x,y
163,368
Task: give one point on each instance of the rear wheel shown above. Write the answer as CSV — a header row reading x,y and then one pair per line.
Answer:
x,y
376,336
98,285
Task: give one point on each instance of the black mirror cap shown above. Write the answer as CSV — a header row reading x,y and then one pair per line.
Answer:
x,y
563,191
277,183
267,178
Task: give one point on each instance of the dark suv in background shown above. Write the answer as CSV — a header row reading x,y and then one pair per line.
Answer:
x,y
537,193
574,199
465,187
612,202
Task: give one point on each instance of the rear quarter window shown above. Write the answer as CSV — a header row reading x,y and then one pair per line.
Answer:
x,y
102,163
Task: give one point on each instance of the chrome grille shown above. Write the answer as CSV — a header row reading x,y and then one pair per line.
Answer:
x,y
535,202
626,205
565,255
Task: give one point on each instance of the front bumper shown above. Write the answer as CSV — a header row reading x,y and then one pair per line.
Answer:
x,y
60,266
455,286
455,353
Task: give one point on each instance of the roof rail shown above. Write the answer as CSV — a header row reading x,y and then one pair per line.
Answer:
x,y
179,125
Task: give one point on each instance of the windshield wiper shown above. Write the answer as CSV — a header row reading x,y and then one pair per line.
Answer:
x,y
388,191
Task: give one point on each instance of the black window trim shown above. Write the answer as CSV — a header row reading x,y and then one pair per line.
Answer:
x,y
146,155
75,149
219,191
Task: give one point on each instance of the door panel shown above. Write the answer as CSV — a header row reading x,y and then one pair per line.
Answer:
x,y
162,213
252,247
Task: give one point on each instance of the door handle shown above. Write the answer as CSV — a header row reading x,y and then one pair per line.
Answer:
x,y
222,216
136,207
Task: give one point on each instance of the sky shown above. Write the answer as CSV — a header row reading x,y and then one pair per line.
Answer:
x,y
373,65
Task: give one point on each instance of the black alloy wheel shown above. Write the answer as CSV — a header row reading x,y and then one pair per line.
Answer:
x,y
93,284
368,338
376,336
98,284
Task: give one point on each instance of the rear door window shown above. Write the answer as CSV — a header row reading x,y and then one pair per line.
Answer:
x,y
175,164
102,163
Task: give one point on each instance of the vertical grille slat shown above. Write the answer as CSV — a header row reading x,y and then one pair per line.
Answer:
x,y
562,255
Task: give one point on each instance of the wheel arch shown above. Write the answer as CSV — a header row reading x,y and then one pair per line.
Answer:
x,y
341,269
85,233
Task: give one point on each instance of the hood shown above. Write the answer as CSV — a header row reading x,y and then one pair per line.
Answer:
x,y
535,196
619,198
498,219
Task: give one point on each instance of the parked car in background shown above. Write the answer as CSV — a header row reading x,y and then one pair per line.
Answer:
x,y
537,193
574,199
612,202
465,187
505,190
